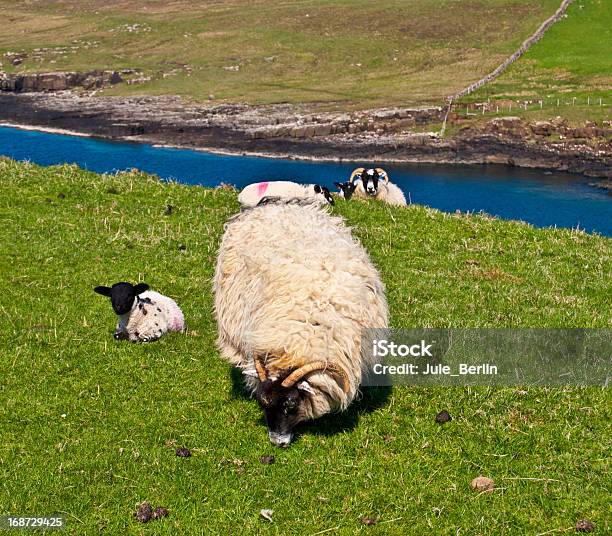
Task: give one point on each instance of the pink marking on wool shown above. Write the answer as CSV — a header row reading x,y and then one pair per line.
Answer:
x,y
262,187
177,323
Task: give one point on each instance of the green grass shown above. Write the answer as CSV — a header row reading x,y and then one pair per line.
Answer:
x,y
87,424
572,60
344,53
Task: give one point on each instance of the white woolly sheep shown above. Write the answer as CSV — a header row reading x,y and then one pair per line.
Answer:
x,y
253,194
370,186
293,292
144,315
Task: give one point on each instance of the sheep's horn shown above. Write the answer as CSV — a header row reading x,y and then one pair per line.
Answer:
x,y
358,171
260,368
382,173
299,373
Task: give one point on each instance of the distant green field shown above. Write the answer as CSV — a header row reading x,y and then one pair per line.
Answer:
x,y
347,53
574,59
88,425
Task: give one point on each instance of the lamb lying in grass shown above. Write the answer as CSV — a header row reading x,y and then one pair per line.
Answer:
x,y
144,315
347,189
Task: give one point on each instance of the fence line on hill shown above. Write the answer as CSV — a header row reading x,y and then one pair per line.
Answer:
x,y
509,105
527,44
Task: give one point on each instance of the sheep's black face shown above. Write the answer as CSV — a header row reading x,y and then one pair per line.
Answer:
x,y
370,182
324,192
328,196
122,295
282,408
347,189
122,298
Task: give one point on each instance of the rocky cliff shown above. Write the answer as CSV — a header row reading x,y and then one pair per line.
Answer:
x,y
57,81
285,130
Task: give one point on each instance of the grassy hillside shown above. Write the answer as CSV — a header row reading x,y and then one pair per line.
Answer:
x,y
572,59
353,53
569,66
88,425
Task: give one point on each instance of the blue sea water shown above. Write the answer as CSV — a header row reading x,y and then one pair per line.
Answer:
x,y
543,200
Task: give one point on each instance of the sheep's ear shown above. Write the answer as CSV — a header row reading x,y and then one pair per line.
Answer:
x,y
306,387
317,189
105,291
140,288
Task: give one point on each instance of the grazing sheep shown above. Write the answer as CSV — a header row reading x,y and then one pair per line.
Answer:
x,y
144,315
252,194
293,292
370,186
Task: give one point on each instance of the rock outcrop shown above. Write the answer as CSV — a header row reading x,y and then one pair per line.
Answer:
x,y
289,130
57,81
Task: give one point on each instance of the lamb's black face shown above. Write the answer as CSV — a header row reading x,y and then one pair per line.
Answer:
x,y
347,189
283,409
325,192
370,180
122,295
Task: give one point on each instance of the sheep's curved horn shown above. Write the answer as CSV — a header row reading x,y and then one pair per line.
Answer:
x,y
382,174
260,368
299,373
358,171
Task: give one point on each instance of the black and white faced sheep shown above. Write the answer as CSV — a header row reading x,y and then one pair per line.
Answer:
x,y
374,183
144,315
293,292
347,189
253,194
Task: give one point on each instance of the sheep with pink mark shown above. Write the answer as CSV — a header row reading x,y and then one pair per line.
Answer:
x,y
258,192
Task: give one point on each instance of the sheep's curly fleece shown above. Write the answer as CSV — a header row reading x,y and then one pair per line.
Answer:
x,y
252,194
152,316
387,192
293,286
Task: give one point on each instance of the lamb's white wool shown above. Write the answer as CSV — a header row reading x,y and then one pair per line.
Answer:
x,y
292,287
252,194
152,316
144,315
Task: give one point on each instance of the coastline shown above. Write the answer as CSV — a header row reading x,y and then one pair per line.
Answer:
x,y
282,132
48,130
